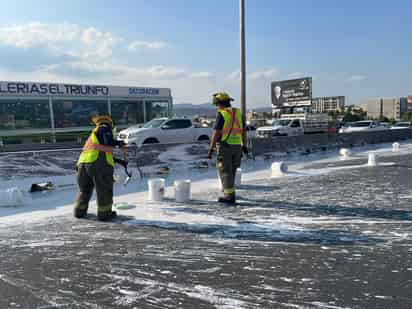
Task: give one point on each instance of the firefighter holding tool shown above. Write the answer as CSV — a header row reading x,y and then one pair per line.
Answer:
x,y
95,169
229,138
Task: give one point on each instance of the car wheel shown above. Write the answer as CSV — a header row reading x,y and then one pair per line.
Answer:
x,y
150,141
203,138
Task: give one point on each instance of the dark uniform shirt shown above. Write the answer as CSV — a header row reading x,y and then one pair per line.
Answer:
x,y
220,122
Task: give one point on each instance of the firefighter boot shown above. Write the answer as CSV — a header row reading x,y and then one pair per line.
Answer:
x,y
228,199
106,216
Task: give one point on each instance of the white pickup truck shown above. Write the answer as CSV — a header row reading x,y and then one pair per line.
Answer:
x,y
165,131
294,125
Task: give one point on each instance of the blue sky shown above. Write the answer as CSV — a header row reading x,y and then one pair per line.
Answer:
x,y
360,49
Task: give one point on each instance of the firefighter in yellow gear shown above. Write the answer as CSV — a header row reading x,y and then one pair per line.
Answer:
x,y
95,169
229,138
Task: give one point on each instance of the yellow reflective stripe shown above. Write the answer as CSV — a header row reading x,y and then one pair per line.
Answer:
x,y
234,131
91,150
233,125
104,208
231,118
93,143
109,159
234,122
81,207
229,191
98,147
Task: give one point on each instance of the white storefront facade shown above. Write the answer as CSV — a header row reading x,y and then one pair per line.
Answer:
x,y
30,108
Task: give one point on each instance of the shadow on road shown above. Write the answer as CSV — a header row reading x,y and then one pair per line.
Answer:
x,y
255,232
331,210
263,188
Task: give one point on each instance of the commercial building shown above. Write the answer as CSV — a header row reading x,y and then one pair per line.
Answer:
x,y
383,107
328,104
51,109
409,103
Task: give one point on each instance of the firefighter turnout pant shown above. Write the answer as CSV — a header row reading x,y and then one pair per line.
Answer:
x,y
228,161
98,175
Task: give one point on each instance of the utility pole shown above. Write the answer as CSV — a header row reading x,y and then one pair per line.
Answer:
x,y
242,60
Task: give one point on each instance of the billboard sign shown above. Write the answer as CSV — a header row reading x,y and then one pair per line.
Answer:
x,y
291,93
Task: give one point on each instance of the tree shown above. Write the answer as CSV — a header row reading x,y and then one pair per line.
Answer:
x,y
407,116
354,114
333,115
384,119
348,117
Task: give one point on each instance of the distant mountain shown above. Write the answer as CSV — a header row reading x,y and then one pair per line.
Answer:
x,y
188,109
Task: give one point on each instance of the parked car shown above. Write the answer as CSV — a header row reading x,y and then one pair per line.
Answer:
x,y
401,125
360,126
295,124
165,131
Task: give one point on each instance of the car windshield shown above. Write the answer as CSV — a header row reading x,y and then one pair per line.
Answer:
x,y
360,124
155,123
282,123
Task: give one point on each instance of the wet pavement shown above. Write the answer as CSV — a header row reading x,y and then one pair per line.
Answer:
x,y
48,163
341,239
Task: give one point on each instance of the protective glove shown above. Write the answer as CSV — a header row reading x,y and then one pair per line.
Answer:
x,y
245,150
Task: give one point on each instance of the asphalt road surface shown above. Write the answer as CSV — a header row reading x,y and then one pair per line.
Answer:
x,y
341,239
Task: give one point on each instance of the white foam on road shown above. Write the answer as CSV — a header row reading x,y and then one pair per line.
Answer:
x,y
58,203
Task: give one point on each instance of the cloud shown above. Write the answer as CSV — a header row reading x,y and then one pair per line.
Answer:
x,y
69,39
235,75
256,75
61,39
95,68
71,53
137,45
266,74
202,75
297,75
355,78
157,72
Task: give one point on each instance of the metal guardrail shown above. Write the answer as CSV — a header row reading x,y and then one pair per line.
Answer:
x,y
52,147
39,147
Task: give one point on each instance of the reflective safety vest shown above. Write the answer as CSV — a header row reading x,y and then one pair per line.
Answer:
x,y
91,150
233,126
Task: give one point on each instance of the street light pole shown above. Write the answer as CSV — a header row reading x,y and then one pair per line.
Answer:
x,y
242,60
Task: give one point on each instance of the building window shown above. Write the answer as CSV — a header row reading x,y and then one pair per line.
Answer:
x,y
157,109
77,113
126,112
24,114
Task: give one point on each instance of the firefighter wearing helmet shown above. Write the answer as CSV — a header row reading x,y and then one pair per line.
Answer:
x,y
95,169
229,138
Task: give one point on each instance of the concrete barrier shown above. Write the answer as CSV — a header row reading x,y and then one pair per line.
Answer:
x,y
306,144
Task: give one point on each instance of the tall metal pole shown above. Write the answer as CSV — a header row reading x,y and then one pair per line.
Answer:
x,y
242,59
